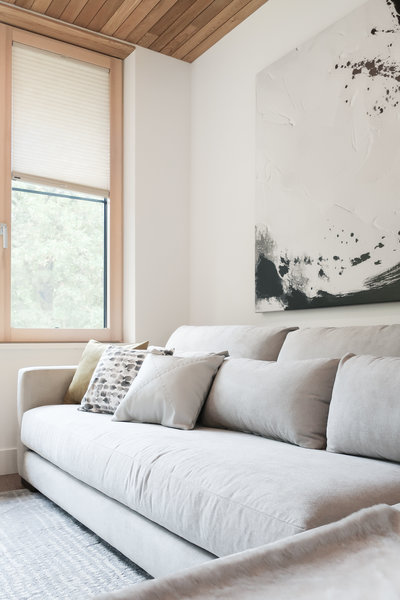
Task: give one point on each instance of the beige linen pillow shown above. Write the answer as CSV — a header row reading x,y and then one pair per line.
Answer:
x,y
87,364
364,415
169,390
287,402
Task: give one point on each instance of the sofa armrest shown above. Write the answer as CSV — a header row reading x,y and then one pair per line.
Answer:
x,y
41,386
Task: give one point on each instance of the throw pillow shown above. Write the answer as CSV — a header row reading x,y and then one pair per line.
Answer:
x,y
169,390
115,371
364,415
87,364
188,354
287,402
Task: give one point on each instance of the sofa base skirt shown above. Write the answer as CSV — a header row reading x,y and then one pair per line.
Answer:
x,y
155,549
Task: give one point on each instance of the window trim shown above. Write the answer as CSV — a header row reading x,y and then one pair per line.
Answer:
x,y
115,259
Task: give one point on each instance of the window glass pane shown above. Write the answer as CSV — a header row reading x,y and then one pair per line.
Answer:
x,y
58,259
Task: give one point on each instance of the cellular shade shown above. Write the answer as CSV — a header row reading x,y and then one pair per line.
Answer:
x,y
61,114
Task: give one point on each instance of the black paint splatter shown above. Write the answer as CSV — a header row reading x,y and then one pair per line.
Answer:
x,y
385,69
395,6
322,274
284,266
360,259
268,282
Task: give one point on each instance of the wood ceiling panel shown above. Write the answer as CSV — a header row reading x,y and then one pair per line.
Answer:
x,y
154,16
178,9
136,17
210,26
24,3
56,8
120,16
104,15
180,28
88,12
72,10
40,6
177,26
196,25
218,34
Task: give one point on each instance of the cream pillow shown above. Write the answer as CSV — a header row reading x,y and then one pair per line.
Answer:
x,y
169,390
87,364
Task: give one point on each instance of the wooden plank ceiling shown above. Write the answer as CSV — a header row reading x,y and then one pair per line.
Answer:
x,y
183,29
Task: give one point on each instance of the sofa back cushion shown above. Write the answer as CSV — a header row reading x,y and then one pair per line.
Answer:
x,y
335,342
287,402
364,415
241,341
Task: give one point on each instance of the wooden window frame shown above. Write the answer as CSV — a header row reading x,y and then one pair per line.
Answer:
x,y
113,332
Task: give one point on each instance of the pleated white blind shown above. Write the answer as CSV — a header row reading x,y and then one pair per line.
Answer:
x,y
61,118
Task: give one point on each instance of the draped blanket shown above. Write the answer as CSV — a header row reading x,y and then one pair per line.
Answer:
x,y
356,558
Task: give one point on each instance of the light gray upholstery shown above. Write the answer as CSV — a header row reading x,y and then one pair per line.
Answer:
x,y
283,401
335,342
169,390
356,558
221,490
40,386
364,416
171,499
156,550
241,341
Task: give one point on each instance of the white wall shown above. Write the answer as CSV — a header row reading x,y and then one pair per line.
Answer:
x,y
157,168
12,358
223,166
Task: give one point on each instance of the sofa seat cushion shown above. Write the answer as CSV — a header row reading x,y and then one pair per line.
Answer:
x,y
222,490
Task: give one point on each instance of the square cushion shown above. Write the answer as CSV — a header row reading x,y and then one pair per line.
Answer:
x,y
364,415
169,390
86,366
114,373
288,402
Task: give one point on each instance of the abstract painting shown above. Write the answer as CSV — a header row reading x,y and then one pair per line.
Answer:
x,y
328,167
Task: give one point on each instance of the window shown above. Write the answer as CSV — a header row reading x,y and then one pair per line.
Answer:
x,y
60,194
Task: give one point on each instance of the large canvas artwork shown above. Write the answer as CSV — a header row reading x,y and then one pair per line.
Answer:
x,y
328,167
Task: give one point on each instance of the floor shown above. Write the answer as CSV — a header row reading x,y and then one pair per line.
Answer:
x,y
10,482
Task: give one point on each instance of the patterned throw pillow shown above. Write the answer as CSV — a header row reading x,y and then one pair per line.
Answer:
x,y
85,369
112,378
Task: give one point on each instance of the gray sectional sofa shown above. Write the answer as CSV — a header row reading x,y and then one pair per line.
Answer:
x,y
171,499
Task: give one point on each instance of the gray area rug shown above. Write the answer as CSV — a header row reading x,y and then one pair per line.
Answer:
x,y
46,555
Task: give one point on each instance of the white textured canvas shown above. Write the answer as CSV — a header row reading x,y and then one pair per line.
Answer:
x,y
328,177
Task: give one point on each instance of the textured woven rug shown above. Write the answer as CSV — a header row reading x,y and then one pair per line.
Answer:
x,y
46,555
